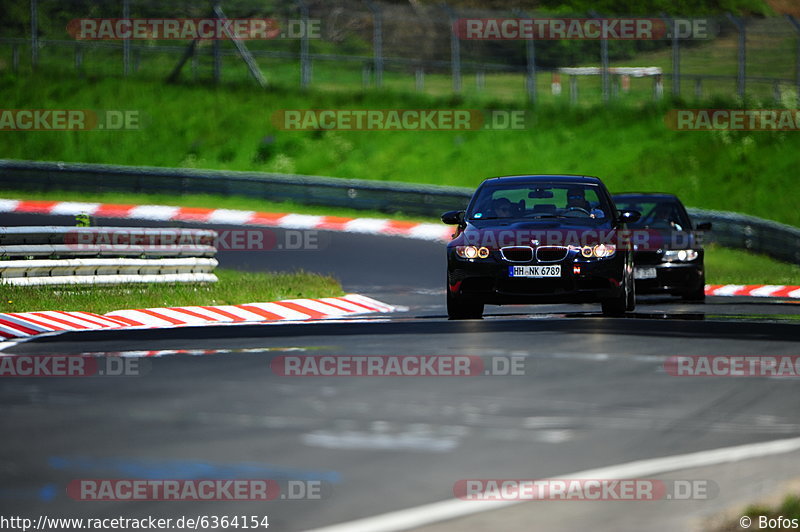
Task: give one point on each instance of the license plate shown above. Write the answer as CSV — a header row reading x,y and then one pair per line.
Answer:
x,y
534,271
644,273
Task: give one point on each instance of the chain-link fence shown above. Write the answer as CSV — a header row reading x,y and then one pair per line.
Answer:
x,y
346,45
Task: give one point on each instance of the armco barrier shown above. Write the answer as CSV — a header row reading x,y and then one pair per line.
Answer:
x,y
53,255
426,200
730,229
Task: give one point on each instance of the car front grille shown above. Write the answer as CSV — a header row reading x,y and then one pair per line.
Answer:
x,y
646,257
517,253
551,253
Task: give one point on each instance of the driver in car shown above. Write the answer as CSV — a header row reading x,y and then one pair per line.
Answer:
x,y
502,208
662,215
576,202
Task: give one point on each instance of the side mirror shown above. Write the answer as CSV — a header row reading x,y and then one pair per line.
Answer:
x,y
629,217
453,217
705,226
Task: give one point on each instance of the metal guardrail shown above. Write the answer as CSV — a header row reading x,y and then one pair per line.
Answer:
x,y
426,200
109,255
730,229
741,231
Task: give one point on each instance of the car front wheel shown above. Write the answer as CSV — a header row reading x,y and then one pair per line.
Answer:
x,y
459,308
616,306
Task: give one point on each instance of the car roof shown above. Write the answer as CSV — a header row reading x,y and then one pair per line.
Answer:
x,y
645,196
545,178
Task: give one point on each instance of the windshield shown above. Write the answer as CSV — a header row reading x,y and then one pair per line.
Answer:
x,y
539,200
664,214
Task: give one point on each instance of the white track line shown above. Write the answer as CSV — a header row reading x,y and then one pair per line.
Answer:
x,y
455,508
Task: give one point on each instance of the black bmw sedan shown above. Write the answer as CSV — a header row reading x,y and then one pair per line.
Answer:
x,y
539,239
673,262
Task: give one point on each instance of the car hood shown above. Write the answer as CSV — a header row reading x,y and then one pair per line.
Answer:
x,y
495,233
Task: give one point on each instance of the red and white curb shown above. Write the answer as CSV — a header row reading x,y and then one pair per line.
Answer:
x,y
753,290
17,325
164,213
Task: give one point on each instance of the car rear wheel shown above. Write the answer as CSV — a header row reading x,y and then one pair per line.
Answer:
x,y
460,309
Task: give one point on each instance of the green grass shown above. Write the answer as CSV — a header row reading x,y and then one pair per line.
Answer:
x,y
789,508
232,288
729,266
229,128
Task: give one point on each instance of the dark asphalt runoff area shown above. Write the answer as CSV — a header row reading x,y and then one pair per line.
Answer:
x,y
593,392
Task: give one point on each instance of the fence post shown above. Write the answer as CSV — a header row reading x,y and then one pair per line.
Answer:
x,y
419,79
603,62
676,59
305,59
34,34
604,73
377,41
455,49
796,26
530,55
126,43
15,57
216,50
740,78
698,87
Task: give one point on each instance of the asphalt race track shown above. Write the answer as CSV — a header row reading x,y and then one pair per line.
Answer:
x,y
594,393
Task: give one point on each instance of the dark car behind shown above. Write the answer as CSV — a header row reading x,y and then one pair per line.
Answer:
x,y
672,259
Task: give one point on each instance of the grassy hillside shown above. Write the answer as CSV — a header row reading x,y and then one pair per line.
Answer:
x,y
230,128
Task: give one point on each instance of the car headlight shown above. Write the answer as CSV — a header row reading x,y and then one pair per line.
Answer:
x,y
604,250
472,252
600,251
679,255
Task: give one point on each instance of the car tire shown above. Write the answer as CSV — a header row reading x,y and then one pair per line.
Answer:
x,y
616,306
459,309
630,302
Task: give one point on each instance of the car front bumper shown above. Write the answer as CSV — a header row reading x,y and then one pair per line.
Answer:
x,y
488,280
671,278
